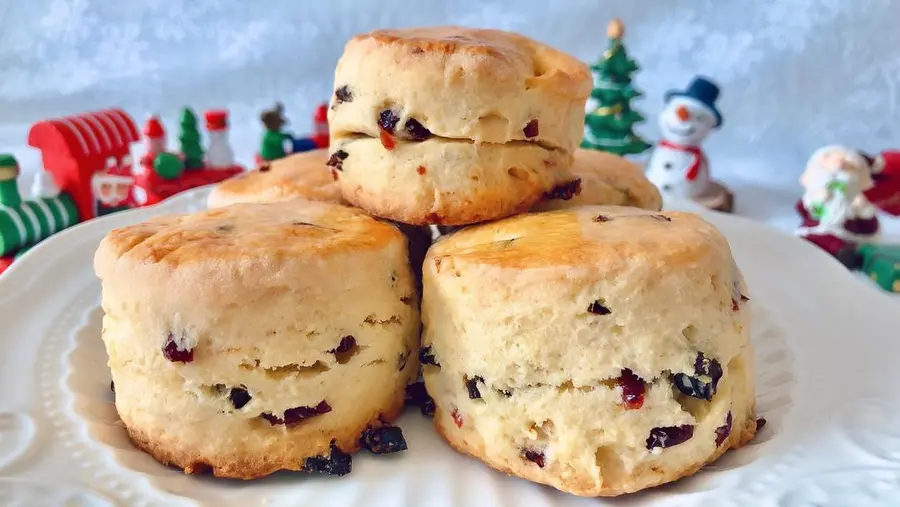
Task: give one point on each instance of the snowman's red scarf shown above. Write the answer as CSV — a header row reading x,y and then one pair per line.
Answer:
x,y
693,169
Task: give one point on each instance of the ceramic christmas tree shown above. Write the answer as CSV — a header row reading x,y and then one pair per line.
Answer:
x,y
609,123
189,140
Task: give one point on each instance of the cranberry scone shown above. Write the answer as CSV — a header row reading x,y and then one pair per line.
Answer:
x,y
600,350
607,179
468,94
258,337
302,175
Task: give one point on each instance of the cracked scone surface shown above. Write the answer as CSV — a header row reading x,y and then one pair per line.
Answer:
x,y
599,350
302,175
245,339
493,106
607,179
449,182
461,83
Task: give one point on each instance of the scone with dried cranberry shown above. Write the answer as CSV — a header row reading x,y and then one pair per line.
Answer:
x,y
451,125
303,175
600,350
258,337
607,179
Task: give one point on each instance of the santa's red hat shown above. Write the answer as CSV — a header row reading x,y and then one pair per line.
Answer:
x,y
153,129
216,120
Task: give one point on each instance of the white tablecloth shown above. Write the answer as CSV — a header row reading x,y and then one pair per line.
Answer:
x,y
795,74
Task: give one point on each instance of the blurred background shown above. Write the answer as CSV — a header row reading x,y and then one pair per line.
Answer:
x,y
794,74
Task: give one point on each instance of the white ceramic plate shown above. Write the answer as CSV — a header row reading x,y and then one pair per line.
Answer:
x,y
827,347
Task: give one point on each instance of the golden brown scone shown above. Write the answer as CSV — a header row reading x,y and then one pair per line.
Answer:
x,y
449,182
600,350
247,339
607,179
303,175
461,83
453,126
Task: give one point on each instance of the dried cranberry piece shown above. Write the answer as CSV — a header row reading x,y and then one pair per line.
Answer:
x,y
387,140
669,436
176,355
597,308
297,414
417,396
457,419
426,356
420,170
761,423
416,131
274,420
472,387
564,191
343,94
722,432
346,345
337,463
531,129
505,392
734,305
112,386
337,159
239,397
632,390
535,457
383,440
601,218
708,373
264,168
402,359
387,120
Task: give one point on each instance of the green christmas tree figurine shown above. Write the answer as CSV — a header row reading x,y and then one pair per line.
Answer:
x,y
189,139
608,125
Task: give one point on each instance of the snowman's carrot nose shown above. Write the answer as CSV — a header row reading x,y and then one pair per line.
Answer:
x,y
682,113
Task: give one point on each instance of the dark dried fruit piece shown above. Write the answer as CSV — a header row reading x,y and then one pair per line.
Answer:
x,y
417,396
112,386
472,387
597,308
297,414
535,457
239,397
565,191
273,419
601,218
225,228
761,423
661,218
426,356
722,432
383,440
387,120
402,359
416,131
345,349
669,436
531,129
703,385
264,168
505,392
632,390
457,419
337,159
343,94
744,298
338,463
176,355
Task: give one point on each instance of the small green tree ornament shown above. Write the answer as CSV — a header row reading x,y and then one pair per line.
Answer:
x,y
609,123
190,141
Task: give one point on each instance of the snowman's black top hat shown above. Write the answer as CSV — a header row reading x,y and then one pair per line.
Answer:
x,y
703,91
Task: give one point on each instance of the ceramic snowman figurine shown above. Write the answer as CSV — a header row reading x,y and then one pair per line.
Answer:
x,y
678,166
219,154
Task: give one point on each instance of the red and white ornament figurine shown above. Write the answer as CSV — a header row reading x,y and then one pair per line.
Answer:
x,y
219,154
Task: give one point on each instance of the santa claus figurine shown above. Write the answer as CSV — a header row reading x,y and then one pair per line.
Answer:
x,y
112,188
155,142
219,154
677,165
843,191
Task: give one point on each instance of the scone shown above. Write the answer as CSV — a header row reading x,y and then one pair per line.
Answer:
x,y
599,350
304,176
447,89
607,179
258,337
299,175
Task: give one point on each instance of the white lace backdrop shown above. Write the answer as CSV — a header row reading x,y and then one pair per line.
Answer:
x,y
795,74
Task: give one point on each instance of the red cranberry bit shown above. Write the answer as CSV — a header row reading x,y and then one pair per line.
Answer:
x,y
531,129
239,397
383,440
669,436
334,175
337,159
722,432
265,168
535,457
176,355
472,387
565,191
601,218
343,94
420,170
387,140
426,356
597,308
761,423
337,463
457,419
387,120
735,306
632,390
416,131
